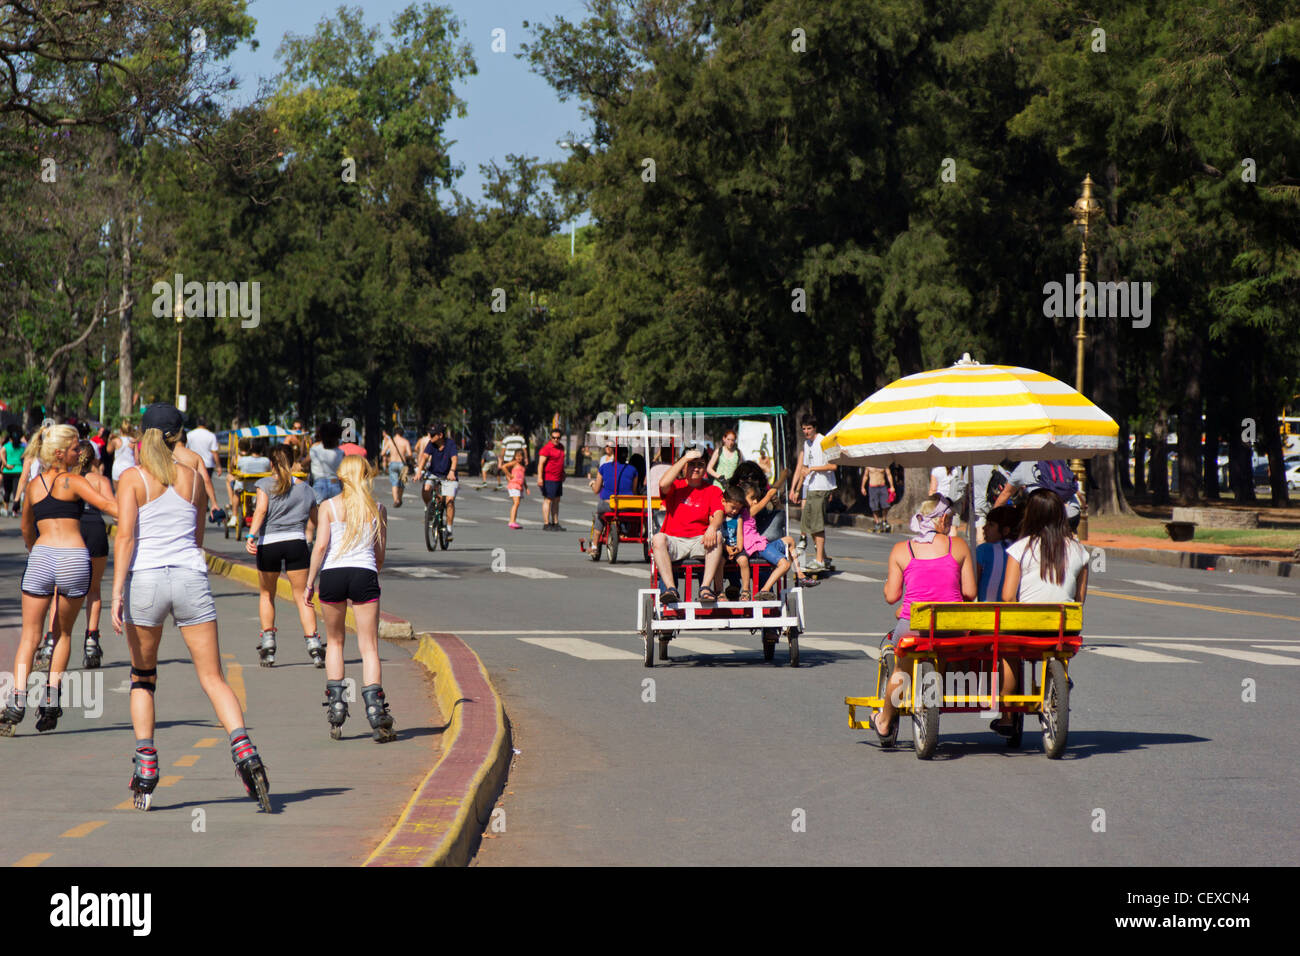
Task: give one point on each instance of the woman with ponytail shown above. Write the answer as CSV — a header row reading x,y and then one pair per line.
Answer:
x,y
159,570
348,557
57,562
95,535
283,522
121,448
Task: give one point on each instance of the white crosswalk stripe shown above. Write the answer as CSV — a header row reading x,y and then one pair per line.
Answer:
x,y
1253,656
1138,655
642,573
586,650
1288,648
857,534
859,578
1255,589
1160,585
535,573
425,573
702,645
824,644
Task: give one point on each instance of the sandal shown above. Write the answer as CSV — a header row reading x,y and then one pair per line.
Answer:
x,y
807,582
670,596
1003,730
766,596
707,595
745,595
890,735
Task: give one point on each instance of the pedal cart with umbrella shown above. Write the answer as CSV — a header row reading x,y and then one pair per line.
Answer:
x,y
244,504
967,415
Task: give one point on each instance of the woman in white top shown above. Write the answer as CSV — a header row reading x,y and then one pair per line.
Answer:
x,y
325,460
350,543
122,447
159,570
1046,566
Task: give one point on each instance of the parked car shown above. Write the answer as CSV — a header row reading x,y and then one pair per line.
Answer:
x,y
1292,471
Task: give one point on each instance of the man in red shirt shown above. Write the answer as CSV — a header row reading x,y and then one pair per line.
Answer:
x,y
691,528
550,478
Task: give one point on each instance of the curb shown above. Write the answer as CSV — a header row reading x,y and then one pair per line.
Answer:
x,y
442,823
1203,561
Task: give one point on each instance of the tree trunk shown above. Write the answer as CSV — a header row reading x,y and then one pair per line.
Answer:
x,y
1241,473
1273,448
371,422
1140,463
1189,448
1159,478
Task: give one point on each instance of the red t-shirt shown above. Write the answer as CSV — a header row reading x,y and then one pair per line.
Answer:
x,y
689,509
553,470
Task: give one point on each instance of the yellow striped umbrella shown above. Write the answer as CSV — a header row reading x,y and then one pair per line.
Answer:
x,y
971,414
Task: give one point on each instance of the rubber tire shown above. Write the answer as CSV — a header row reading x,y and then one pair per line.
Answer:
x,y
645,550
925,720
794,647
769,644
1055,716
444,541
1017,730
647,632
428,528
611,545
884,670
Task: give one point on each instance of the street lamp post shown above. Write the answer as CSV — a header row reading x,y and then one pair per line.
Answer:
x,y
1084,209
573,223
180,315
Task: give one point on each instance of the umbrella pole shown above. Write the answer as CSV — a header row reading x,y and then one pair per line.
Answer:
x,y
970,508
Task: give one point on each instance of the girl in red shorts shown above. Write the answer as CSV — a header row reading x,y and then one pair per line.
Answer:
x,y
348,556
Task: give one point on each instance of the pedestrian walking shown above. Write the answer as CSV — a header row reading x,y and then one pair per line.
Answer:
x,y
159,571
550,478
878,488
122,447
58,567
11,466
395,452
518,468
814,480
325,460
284,520
345,563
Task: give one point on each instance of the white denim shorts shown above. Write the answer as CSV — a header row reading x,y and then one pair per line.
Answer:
x,y
153,593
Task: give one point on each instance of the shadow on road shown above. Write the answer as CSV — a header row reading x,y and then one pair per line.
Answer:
x,y
1080,745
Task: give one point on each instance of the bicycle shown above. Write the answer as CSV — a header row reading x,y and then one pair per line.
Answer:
x,y
435,519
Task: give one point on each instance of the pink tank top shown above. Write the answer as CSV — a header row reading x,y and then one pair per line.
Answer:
x,y
930,579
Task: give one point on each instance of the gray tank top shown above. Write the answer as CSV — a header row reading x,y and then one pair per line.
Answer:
x,y
286,514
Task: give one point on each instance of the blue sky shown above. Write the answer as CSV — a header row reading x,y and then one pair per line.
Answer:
x,y
511,109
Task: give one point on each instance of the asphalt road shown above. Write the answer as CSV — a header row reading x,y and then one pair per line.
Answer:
x,y
736,761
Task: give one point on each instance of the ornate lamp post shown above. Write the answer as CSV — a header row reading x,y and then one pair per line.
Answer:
x,y
1084,209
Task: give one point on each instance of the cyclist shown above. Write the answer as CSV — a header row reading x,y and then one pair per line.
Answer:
x,y
438,461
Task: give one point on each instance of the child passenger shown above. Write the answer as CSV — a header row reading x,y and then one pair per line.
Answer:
x,y
991,557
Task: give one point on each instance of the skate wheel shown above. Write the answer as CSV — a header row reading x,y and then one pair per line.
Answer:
x,y
384,735
336,733
263,787
7,730
143,801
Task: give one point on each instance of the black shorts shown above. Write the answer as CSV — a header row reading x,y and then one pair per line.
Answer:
x,y
293,555
358,585
95,535
552,489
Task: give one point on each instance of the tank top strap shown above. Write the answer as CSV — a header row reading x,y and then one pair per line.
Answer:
x,y
909,549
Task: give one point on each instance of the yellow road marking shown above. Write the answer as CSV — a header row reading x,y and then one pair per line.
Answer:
x,y
34,859
82,829
127,804
207,742
1196,607
235,678
169,779
187,761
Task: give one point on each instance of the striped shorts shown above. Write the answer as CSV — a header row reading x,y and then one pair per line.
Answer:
x,y
68,569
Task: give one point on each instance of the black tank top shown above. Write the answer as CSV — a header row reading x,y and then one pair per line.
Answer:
x,y
52,507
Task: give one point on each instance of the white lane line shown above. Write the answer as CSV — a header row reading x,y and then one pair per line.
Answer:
x,y
630,572
1089,638
1252,656
850,576
1139,655
461,521
425,573
822,644
1161,586
857,534
1288,648
535,573
586,650
702,645
1255,589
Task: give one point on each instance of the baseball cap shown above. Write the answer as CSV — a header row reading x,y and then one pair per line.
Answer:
x,y
163,417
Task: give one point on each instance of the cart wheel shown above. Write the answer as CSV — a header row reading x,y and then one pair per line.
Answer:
x,y
794,647
925,716
1055,715
647,632
1017,730
611,546
645,549
769,644
594,547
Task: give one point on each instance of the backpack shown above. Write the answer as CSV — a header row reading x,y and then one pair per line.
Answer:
x,y
1056,476
997,481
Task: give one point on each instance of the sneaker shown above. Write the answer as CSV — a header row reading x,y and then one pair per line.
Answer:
x,y
450,537
515,525
814,565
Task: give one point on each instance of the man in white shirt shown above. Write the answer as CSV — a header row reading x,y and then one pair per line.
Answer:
x,y
204,444
818,474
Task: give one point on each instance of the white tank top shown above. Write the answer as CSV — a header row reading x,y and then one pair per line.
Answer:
x,y
360,555
123,459
165,533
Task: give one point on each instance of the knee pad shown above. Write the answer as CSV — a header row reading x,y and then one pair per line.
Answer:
x,y
144,685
